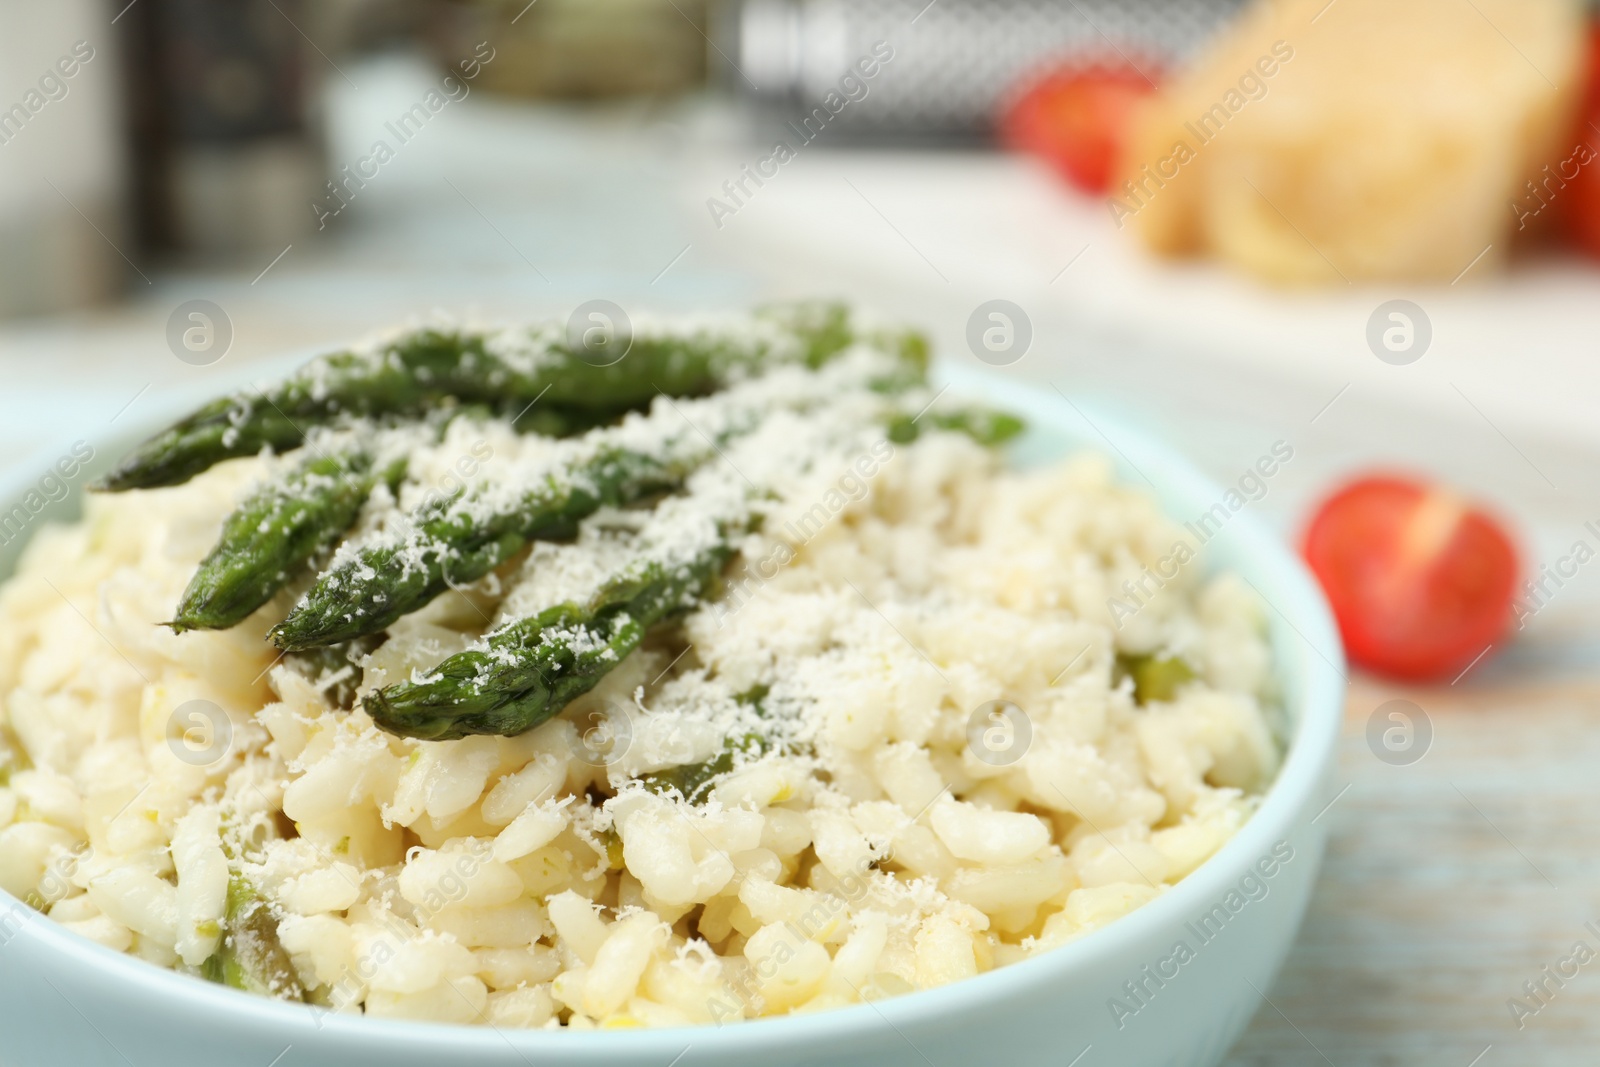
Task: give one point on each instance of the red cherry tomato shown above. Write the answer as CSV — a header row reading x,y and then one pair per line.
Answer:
x,y
1581,199
1077,117
1421,581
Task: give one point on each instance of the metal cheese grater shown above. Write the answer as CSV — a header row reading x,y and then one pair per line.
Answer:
x,y
955,61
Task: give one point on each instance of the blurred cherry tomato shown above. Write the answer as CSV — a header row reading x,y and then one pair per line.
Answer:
x,y
1421,581
1581,199
1077,117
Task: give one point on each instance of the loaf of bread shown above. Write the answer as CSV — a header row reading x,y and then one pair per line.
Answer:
x,y
1358,139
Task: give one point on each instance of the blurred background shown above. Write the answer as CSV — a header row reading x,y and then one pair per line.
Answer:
x,y
1368,228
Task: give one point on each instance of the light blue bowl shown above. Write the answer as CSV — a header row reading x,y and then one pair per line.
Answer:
x,y
1121,997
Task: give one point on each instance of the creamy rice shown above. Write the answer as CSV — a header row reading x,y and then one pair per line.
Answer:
x,y
901,831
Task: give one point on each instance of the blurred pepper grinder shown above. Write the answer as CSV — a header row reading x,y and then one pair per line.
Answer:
x,y
226,145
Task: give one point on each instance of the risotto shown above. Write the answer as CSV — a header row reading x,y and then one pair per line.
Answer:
x,y
919,730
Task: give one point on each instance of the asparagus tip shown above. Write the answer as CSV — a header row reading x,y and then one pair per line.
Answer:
x,y
117,480
281,636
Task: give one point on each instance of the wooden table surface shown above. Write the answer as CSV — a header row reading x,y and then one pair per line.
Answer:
x,y
1449,882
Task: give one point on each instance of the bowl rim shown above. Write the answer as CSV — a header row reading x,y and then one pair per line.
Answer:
x,y
1311,748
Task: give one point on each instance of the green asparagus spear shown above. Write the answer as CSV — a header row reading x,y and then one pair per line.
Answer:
x,y
251,957
224,428
276,531
528,671
419,370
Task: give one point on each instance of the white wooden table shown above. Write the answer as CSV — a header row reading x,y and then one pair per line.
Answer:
x,y
1448,885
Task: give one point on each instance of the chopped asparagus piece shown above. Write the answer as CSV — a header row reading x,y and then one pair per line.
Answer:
x,y
251,957
691,780
1155,678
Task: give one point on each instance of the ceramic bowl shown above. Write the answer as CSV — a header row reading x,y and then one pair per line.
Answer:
x,y
1171,985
